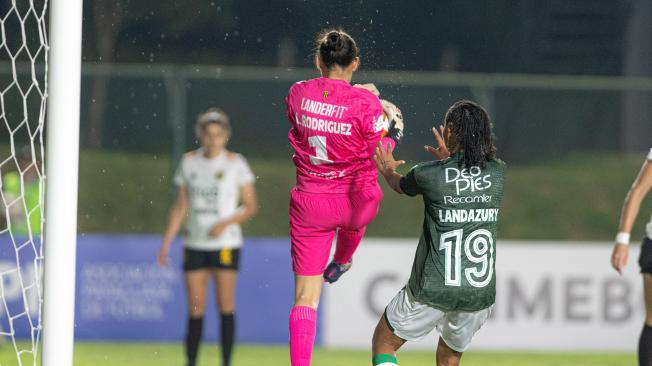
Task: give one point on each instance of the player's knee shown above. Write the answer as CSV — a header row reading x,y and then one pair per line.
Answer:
x,y
306,299
226,306
196,307
196,311
307,296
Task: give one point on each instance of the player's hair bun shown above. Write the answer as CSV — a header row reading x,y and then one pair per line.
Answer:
x,y
333,40
336,47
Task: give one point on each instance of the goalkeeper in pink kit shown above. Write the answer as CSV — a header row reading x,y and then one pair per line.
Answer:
x,y
335,130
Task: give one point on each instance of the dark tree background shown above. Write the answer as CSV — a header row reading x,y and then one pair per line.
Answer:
x,y
579,37
531,36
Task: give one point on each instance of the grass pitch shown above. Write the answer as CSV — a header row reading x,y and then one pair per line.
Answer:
x,y
164,354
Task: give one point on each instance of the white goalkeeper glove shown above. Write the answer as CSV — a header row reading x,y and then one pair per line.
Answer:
x,y
394,126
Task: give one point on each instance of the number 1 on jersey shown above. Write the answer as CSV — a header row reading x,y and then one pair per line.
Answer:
x,y
321,153
450,242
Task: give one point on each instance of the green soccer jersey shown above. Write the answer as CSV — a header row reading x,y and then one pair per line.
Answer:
x,y
454,265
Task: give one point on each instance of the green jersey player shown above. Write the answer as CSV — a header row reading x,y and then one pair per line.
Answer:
x,y
453,282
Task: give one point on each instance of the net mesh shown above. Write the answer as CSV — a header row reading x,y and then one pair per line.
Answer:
x,y
23,50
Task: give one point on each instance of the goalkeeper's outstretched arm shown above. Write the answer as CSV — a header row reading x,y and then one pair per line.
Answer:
x,y
387,165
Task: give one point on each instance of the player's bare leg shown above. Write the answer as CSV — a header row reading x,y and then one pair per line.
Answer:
x,y
447,356
196,288
225,281
307,290
385,344
645,341
303,318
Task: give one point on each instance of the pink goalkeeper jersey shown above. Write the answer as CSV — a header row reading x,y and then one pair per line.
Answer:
x,y
335,130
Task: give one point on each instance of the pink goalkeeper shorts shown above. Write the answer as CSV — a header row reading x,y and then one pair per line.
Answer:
x,y
315,219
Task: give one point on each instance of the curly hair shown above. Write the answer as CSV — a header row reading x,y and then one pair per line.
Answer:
x,y
472,130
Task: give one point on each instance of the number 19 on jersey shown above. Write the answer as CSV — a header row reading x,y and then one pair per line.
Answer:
x,y
478,249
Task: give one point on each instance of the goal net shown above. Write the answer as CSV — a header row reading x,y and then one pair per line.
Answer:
x,y
23,93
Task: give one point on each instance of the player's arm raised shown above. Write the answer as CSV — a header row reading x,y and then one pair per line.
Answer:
x,y
632,204
440,152
178,213
387,166
385,124
409,184
369,86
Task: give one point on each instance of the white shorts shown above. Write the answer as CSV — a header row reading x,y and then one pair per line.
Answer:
x,y
412,320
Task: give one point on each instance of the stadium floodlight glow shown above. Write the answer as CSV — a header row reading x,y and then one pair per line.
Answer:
x,y
62,160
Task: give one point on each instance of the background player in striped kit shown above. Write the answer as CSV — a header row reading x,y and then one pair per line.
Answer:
x,y
635,196
453,284
216,194
335,129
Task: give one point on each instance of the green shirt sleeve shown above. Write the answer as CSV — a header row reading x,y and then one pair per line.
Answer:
x,y
409,184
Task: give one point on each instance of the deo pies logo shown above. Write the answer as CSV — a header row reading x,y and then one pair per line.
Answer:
x,y
468,179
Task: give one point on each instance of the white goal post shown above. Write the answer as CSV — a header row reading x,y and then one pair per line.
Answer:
x,y
62,159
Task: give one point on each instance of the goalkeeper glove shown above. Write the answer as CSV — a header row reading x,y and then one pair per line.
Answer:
x,y
394,117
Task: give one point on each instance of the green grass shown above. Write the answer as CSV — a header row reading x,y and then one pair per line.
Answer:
x,y
163,354
578,198
120,192
575,198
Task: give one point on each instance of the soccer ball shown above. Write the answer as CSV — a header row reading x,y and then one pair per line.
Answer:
x,y
393,120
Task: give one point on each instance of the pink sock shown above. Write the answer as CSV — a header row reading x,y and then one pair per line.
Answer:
x,y
347,243
303,327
